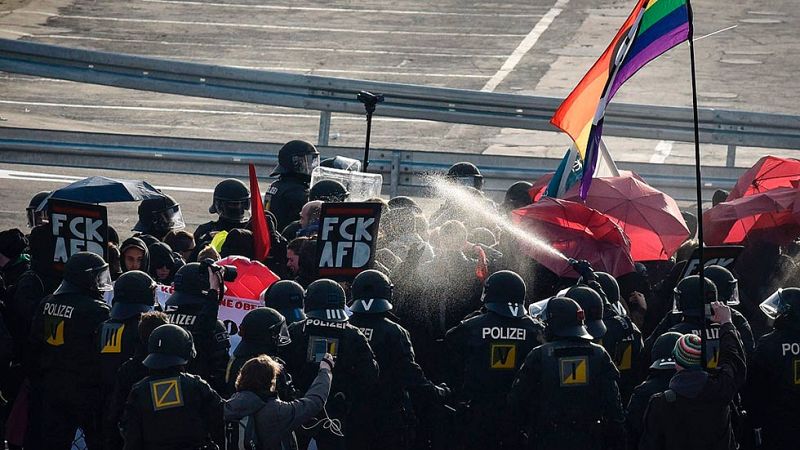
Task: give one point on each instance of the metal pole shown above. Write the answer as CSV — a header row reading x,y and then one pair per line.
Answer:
x,y
324,128
699,187
366,144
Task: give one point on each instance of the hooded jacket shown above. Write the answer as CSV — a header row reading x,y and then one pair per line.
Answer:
x,y
275,419
135,243
161,255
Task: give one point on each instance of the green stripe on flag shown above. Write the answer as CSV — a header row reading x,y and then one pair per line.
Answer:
x,y
658,11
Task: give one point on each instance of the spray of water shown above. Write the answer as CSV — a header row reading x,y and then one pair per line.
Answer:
x,y
465,199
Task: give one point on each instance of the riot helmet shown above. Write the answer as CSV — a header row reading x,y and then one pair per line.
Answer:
x,y
191,283
661,354
727,285
134,293
262,327
592,304
687,296
36,216
328,191
169,346
610,286
159,215
286,296
565,318
231,201
517,195
85,273
465,174
784,304
297,157
401,201
342,163
325,300
371,292
504,294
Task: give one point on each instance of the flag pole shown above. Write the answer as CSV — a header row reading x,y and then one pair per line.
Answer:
x,y
699,187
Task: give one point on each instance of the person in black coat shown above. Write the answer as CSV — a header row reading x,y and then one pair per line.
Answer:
x,y
695,412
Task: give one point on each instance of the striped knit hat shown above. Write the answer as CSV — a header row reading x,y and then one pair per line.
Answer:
x,y
688,353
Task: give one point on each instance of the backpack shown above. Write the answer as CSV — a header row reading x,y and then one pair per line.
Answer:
x,y
241,434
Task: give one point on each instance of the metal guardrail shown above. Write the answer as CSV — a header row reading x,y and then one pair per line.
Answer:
x,y
403,170
327,94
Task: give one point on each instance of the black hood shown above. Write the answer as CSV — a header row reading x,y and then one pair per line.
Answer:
x,y
135,243
161,255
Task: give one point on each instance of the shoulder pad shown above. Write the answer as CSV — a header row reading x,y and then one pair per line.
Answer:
x,y
670,395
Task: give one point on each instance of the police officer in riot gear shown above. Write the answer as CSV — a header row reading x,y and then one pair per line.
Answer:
x,y
326,330
728,293
286,296
691,307
592,305
36,217
286,196
566,391
159,216
263,331
484,353
171,408
516,196
328,191
63,357
662,369
465,174
134,294
388,420
232,203
773,386
194,306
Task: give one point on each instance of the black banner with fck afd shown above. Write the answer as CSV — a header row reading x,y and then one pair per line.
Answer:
x,y
77,227
346,240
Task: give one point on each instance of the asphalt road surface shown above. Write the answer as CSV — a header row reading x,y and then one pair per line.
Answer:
x,y
747,56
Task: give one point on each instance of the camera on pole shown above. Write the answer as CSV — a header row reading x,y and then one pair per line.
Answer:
x,y
369,100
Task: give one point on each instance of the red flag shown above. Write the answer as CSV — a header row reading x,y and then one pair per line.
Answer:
x,y
258,224
482,268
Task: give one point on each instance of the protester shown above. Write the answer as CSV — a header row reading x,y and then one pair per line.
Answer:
x,y
134,255
697,397
182,242
276,419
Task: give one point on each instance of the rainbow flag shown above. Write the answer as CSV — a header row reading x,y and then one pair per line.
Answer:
x,y
652,28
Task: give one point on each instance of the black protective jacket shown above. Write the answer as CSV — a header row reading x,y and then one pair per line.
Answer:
x,y
695,413
623,342
773,387
656,382
567,396
171,410
285,198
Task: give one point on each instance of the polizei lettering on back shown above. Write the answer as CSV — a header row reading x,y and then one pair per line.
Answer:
x,y
514,334
56,310
182,319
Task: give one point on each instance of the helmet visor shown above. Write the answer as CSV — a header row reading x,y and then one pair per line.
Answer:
x,y
282,337
342,163
538,309
103,279
773,306
35,217
235,210
169,219
305,164
475,181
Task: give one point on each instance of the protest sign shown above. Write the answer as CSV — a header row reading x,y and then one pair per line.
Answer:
x,y
77,227
723,255
346,240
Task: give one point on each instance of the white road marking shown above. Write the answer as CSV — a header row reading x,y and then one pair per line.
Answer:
x,y
268,27
56,178
271,47
663,149
525,46
341,10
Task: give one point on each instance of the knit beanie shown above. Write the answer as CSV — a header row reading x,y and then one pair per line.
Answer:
x,y
688,352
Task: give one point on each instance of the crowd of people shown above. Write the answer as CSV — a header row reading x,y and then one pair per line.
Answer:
x,y
444,343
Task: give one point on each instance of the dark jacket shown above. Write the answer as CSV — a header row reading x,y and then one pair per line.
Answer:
x,y
275,419
129,373
285,198
695,412
656,382
186,413
623,342
134,242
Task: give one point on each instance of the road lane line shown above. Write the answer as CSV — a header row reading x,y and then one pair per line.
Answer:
x,y
66,179
269,27
663,149
340,10
525,46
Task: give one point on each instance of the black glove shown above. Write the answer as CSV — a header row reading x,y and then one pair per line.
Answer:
x,y
584,269
442,391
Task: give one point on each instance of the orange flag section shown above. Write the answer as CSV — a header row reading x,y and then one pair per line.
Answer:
x,y
576,113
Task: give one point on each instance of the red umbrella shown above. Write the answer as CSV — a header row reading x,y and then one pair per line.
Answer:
x,y
650,218
540,186
769,172
774,215
576,231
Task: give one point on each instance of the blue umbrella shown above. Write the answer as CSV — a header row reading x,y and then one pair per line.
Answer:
x,y
104,190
